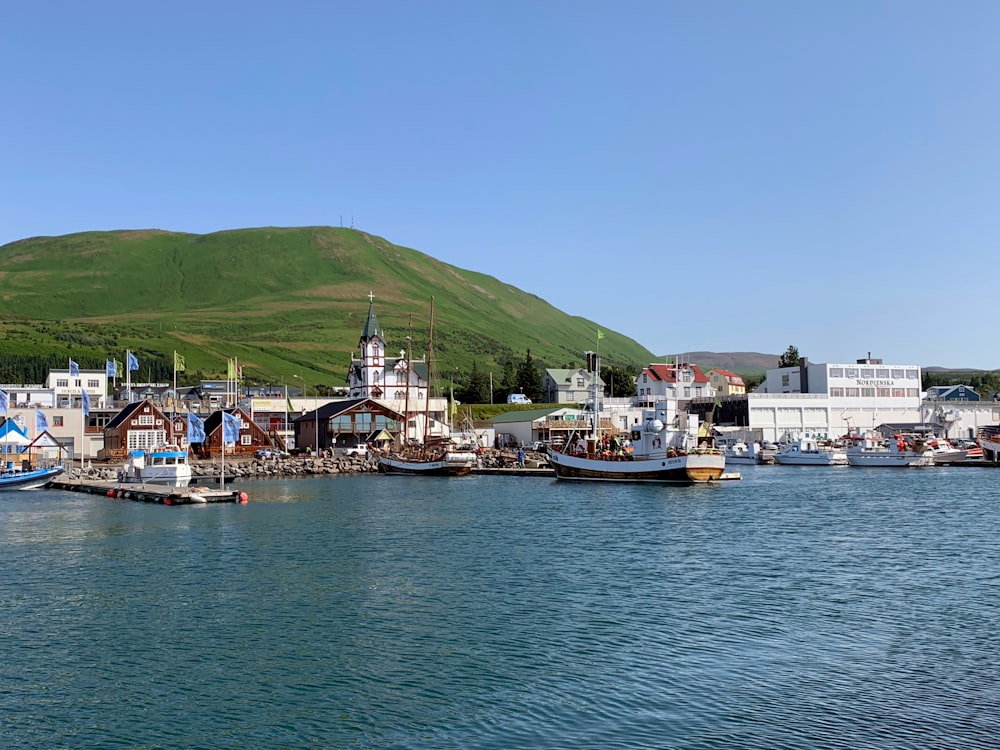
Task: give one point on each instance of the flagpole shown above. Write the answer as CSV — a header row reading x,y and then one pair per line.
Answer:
x,y
174,410
222,435
83,431
128,376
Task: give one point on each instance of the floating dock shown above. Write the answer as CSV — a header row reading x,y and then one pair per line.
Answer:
x,y
151,493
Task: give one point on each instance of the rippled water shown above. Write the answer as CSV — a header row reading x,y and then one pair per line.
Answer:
x,y
802,607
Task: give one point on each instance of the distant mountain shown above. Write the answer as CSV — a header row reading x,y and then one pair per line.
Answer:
x,y
287,302
745,363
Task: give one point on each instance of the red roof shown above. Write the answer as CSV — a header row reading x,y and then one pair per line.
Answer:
x,y
730,376
668,373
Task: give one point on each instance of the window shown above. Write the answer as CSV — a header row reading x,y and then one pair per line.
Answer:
x,y
899,393
836,372
836,393
852,392
883,392
645,378
93,383
867,372
57,421
912,375
867,393
882,372
786,380
138,439
897,374
62,382
146,420
245,439
912,392
852,372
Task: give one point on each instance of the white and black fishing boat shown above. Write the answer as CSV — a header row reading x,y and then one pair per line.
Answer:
x,y
165,465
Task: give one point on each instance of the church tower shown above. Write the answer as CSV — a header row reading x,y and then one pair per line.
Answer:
x,y
367,373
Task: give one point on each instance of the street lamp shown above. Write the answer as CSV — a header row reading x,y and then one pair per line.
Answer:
x,y
305,394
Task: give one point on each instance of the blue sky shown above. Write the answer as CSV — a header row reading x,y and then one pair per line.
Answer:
x,y
722,176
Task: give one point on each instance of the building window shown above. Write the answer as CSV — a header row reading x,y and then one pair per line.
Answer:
x,y
912,392
836,393
786,380
883,392
144,439
57,421
897,374
912,375
245,439
579,382
852,392
93,383
836,372
899,393
867,372
882,372
867,393
62,382
146,420
852,372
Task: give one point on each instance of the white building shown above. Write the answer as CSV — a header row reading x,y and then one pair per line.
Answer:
x,y
67,387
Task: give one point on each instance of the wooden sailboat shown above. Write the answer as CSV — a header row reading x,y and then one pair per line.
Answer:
x,y
432,455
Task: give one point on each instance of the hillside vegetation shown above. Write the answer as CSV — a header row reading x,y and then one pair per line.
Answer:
x,y
285,301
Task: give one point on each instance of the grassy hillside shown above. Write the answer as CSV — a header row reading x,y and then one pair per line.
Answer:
x,y
285,301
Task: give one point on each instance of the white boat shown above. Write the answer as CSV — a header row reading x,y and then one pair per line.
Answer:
x,y
12,478
432,458
988,439
166,465
899,451
652,453
947,453
743,453
808,452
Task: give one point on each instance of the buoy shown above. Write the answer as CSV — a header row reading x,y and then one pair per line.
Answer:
x,y
244,497
168,501
111,493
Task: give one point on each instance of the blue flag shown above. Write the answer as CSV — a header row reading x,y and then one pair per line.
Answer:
x,y
133,363
4,402
85,403
111,368
196,429
74,368
230,428
41,421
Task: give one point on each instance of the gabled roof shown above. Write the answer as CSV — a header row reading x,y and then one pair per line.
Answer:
x,y
560,375
668,373
127,411
729,375
336,408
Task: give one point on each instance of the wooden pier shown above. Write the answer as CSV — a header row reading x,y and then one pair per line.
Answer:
x,y
151,493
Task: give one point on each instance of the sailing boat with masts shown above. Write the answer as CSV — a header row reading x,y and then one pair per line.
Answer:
x,y
432,455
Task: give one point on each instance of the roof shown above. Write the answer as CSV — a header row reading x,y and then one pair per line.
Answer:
x,y
336,408
524,415
371,325
729,375
668,373
127,411
559,375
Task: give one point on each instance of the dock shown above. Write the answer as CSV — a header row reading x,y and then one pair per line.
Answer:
x,y
151,493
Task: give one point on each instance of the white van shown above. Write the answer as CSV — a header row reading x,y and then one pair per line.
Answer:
x,y
518,398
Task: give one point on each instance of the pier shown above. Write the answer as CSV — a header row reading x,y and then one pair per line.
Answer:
x,y
151,493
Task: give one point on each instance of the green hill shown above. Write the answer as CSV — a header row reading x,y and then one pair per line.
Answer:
x,y
285,301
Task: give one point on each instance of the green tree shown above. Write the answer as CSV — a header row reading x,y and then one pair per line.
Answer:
x,y
529,378
790,358
477,390
619,381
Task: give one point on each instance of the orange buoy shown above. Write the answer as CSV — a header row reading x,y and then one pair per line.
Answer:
x,y
244,497
168,501
111,493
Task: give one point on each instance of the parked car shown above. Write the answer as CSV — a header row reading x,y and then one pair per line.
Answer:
x,y
356,450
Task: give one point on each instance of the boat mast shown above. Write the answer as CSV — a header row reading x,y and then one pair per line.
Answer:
x,y
405,434
430,354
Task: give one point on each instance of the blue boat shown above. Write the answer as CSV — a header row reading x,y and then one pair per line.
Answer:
x,y
12,478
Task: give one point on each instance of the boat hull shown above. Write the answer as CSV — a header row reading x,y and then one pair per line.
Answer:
x,y
805,460
694,468
890,460
28,480
453,465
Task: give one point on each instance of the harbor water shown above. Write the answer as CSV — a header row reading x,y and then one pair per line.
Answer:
x,y
802,607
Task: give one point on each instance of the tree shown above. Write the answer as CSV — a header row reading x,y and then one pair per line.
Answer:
x,y
529,378
477,390
790,358
619,381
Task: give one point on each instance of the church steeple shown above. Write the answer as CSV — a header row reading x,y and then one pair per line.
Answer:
x,y
371,325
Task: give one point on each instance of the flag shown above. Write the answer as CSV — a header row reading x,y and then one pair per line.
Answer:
x,y
288,404
111,368
4,402
196,429
85,403
718,404
119,367
133,363
41,422
231,369
600,334
74,368
230,428
178,362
